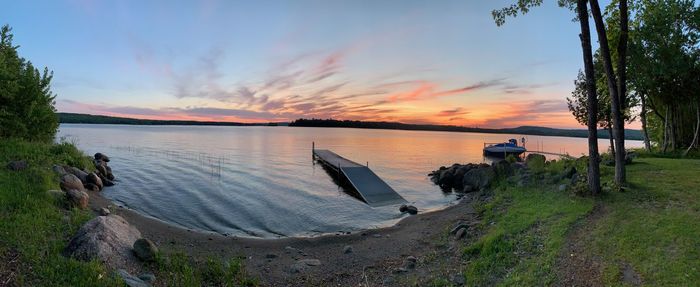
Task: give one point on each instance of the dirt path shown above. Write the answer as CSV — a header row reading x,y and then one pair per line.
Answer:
x,y
376,259
575,265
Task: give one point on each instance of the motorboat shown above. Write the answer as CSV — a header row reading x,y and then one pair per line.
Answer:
x,y
503,149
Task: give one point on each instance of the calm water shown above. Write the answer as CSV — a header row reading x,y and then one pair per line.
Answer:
x,y
261,182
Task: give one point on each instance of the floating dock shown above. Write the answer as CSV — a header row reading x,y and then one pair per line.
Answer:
x,y
372,189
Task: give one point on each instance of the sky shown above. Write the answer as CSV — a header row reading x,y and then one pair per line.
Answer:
x,y
427,62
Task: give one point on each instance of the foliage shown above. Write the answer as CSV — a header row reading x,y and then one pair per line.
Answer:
x,y
26,101
72,118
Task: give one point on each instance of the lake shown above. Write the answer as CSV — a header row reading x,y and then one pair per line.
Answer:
x,y
262,182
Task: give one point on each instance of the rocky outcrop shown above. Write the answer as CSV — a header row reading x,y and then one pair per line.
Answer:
x,y
107,239
104,172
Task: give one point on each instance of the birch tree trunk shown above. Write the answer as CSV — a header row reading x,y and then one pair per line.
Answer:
x,y
643,118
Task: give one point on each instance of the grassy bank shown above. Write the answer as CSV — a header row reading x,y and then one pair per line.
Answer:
x,y
35,228
651,228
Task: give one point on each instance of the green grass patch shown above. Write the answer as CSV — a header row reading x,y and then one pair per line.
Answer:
x,y
33,225
653,227
525,230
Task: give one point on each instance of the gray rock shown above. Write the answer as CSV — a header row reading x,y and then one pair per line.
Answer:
x,y
148,277
107,182
77,172
271,256
70,181
460,233
78,198
145,249
131,280
59,170
347,249
411,259
95,179
107,239
310,262
104,211
409,263
109,174
102,157
17,165
458,226
403,208
91,187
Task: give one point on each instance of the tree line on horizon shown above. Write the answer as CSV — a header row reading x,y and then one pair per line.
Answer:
x,y
646,65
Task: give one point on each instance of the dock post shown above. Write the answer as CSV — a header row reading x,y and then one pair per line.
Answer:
x,y
368,164
313,150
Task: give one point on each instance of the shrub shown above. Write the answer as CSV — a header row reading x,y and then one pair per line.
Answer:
x,y
26,102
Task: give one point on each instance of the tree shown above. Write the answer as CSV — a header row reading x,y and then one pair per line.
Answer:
x,y
523,6
26,101
577,102
616,83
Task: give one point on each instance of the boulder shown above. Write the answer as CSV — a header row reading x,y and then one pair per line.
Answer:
x,y
479,178
101,170
92,187
17,165
78,198
77,172
70,181
459,226
403,208
109,174
102,157
145,249
95,179
107,239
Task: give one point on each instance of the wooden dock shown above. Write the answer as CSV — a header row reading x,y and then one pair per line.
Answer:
x,y
372,189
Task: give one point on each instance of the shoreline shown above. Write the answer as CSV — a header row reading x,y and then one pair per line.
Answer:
x,y
273,260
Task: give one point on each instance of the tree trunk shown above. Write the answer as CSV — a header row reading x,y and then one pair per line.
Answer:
x,y
643,118
612,141
618,123
697,129
592,102
665,132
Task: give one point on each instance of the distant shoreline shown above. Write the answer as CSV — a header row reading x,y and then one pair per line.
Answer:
x,y
73,118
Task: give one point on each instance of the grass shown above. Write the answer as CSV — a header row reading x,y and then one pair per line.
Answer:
x,y
35,229
652,227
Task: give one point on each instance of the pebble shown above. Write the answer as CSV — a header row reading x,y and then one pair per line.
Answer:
x,y
376,235
310,262
104,211
347,249
271,256
460,233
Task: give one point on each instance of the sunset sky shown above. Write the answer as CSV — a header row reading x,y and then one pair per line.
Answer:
x,y
443,62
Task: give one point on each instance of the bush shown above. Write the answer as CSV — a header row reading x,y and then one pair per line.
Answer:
x,y
26,102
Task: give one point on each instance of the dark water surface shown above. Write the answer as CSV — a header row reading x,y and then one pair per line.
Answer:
x,y
261,182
